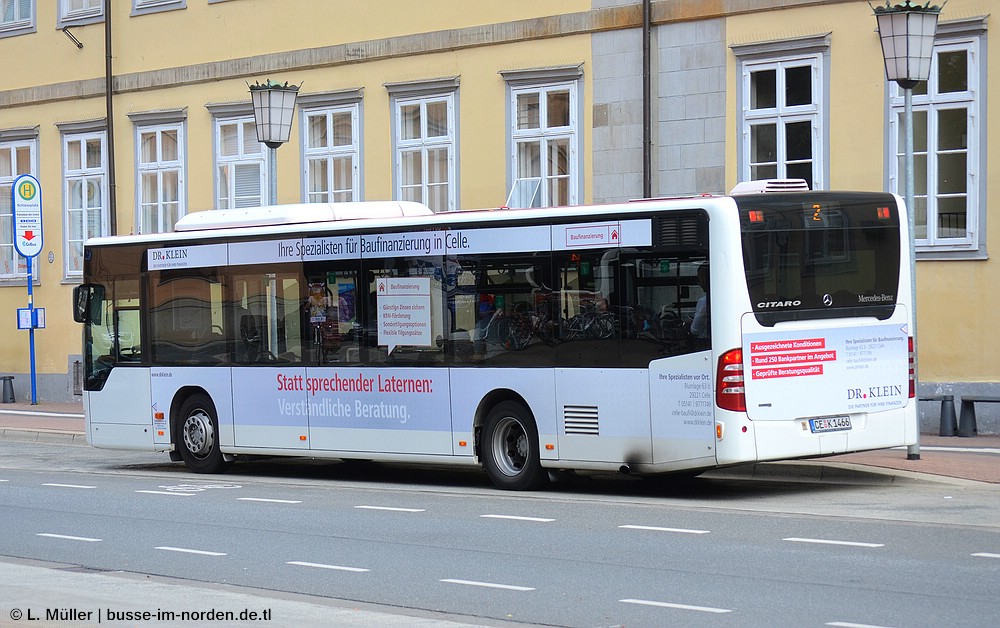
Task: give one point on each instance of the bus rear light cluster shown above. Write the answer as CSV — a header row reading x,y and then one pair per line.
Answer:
x,y
913,369
730,393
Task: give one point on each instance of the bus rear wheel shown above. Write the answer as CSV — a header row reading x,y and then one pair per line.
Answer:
x,y
510,448
198,436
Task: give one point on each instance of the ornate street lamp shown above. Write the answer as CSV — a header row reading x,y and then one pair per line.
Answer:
x,y
907,33
273,107
907,30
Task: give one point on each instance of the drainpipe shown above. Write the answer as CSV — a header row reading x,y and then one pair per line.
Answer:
x,y
647,105
109,103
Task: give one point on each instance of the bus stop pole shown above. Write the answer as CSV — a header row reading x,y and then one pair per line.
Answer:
x,y
31,335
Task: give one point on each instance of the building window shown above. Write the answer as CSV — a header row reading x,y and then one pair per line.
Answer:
x,y
240,164
544,140
425,151
159,177
142,7
85,193
17,17
331,156
543,136
16,158
79,12
946,146
782,129
783,114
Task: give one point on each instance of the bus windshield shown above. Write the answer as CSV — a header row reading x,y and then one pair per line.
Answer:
x,y
820,256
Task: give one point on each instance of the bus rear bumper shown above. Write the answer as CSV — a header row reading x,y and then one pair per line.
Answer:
x,y
795,438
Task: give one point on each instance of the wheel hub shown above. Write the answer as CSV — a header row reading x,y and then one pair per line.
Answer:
x,y
198,434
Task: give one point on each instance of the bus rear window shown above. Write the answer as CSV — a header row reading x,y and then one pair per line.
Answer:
x,y
820,254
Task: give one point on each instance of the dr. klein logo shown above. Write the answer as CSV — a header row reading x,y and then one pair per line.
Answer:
x,y
168,254
874,392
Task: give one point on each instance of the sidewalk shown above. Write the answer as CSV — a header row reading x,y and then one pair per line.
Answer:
x,y
976,458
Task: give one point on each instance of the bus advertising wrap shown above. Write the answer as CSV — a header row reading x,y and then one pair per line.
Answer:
x,y
355,409
826,371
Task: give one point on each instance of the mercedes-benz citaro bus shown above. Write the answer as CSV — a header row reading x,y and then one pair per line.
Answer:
x,y
656,336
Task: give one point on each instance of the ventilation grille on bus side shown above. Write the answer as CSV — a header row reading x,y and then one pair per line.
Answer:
x,y
681,231
581,420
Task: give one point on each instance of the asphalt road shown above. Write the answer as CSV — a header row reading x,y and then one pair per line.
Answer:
x,y
432,545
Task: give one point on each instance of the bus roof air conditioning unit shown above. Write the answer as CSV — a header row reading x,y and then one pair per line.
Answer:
x,y
770,185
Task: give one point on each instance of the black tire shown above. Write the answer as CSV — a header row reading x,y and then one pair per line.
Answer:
x,y
510,448
198,435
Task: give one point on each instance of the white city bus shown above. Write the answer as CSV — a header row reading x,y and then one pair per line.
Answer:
x,y
654,336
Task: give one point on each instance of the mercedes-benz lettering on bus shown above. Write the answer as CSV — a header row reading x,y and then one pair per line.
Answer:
x,y
644,337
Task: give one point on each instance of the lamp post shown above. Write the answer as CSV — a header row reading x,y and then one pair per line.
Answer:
x,y
273,107
906,31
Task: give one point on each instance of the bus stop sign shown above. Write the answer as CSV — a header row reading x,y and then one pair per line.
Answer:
x,y
27,208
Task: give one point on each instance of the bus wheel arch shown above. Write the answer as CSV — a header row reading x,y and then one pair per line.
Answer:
x,y
195,429
507,442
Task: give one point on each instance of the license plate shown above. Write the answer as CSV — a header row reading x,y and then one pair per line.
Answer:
x,y
830,424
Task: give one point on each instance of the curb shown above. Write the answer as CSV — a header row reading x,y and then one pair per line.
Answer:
x,y
849,473
48,437
799,472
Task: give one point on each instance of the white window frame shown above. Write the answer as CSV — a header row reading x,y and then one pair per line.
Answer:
x,y
160,167
13,266
952,37
246,132
424,145
783,115
814,51
328,106
18,24
74,264
143,7
92,12
544,81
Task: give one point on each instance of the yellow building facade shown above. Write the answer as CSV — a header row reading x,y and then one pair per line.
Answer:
x,y
464,105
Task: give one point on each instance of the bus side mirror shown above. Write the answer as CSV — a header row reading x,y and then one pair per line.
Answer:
x,y
86,303
81,303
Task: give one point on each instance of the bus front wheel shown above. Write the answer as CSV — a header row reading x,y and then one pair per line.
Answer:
x,y
198,436
510,448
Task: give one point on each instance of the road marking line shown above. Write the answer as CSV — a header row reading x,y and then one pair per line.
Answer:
x,y
37,413
67,485
986,555
322,566
270,501
844,624
830,542
515,518
683,607
4,480
69,538
390,508
167,493
656,529
185,550
489,585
